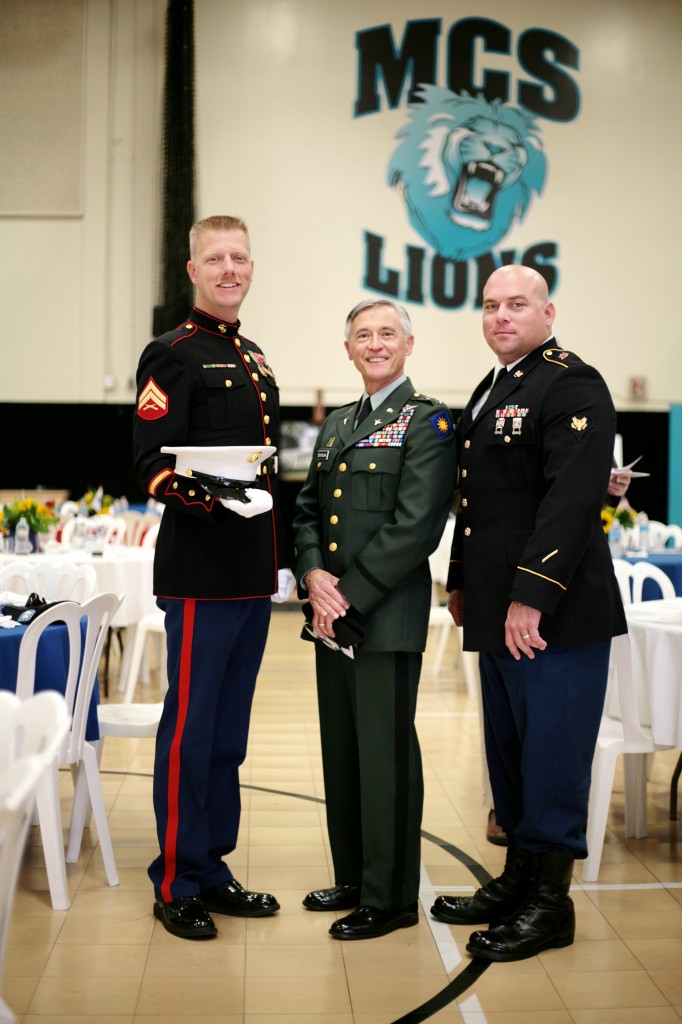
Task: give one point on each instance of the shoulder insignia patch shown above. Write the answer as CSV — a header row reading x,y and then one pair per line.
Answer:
x,y
442,424
578,426
153,401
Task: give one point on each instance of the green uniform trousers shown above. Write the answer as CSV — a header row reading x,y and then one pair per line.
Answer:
x,y
372,771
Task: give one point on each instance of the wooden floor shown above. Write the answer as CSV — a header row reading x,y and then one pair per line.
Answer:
x,y
107,960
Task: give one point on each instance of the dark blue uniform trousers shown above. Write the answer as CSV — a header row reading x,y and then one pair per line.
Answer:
x,y
372,767
215,650
541,720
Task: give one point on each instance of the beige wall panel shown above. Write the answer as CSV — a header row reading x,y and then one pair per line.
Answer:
x,y
41,85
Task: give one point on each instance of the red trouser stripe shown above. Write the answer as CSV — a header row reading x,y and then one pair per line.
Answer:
x,y
174,759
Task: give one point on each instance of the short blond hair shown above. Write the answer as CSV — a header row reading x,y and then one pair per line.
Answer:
x,y
217,223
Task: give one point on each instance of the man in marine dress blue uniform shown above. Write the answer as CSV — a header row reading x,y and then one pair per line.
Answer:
x,y
218,561
532,583
371,511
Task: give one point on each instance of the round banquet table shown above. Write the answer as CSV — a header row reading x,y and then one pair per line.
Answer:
x,y
52,661
655,629
119,570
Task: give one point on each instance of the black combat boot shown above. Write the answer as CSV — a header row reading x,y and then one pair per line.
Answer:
x,y
546,921
497,900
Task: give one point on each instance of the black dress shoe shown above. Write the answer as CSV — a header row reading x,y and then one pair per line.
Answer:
x,y
231,898
370,922
185,917
339,897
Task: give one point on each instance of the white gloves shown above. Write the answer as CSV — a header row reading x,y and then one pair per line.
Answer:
x,y
259,501
286,581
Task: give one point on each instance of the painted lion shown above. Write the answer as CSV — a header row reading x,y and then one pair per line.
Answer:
x,y
467,170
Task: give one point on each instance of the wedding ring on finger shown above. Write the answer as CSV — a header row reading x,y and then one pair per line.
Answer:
x,y
526,636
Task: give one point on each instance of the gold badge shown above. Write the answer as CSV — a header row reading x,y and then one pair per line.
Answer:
x,y
255,456
579,424
330,442
222,328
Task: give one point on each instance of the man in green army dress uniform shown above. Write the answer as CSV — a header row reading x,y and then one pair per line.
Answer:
x,y
373,508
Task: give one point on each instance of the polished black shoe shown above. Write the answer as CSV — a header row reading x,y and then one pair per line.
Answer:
x,y
497,900
185,917
370,922
546,921
339,897
231,898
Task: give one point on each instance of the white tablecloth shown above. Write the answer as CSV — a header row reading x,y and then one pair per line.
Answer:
x,y
656,641
120,570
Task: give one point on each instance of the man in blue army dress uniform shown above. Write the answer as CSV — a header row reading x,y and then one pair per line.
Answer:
x,y
218,560
532,582
371,511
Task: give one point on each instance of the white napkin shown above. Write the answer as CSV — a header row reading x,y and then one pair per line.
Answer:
x,y
7,623
9,597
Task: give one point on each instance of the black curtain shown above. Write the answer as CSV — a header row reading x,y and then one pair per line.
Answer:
x,y
176,293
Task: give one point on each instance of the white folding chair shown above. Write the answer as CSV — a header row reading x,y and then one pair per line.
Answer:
x,y
150,535
19,783
661,533
624,576
61,580
643,571
150,625
623,735
75,752
14,577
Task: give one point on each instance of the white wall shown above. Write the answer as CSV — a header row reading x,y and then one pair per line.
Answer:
x,y
278,142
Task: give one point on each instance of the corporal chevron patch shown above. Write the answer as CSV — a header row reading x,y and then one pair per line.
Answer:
x,y
153,401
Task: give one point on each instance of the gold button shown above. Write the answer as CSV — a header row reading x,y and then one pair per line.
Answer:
x,y
191,493
268,440
338,492
263,396
228,383
333,520
333,546
342,467
417,394
175,485
464,472
465,503
467,532
255,375
237,342
208,497
188,472
467,444
247,358
264,470
266,420
372,465
507,439
319,465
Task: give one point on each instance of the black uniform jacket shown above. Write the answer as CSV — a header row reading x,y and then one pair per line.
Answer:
x,y
205,384
534,466
374,507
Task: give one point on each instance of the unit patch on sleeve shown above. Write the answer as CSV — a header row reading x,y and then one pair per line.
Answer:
x,y
442,424
153,401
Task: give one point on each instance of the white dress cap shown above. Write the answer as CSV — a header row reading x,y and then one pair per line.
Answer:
x,y
232,462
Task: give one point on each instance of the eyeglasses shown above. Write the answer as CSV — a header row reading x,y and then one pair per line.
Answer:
x,y
327,641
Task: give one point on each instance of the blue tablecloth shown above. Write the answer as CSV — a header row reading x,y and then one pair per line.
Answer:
x,y
51,666
671,564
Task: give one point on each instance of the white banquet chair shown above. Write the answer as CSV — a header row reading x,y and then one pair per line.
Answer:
x,y
36,727
14,577
632,576
661,533
622,735
19,783
61,580
75,752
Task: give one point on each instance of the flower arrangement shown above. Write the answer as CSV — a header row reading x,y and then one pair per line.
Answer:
x,y
40,517
622,512
95,500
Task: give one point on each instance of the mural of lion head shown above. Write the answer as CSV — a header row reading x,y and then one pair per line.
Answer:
x,y
467,169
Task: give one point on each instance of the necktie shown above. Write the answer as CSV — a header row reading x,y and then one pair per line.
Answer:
x,y
501,375
365,410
